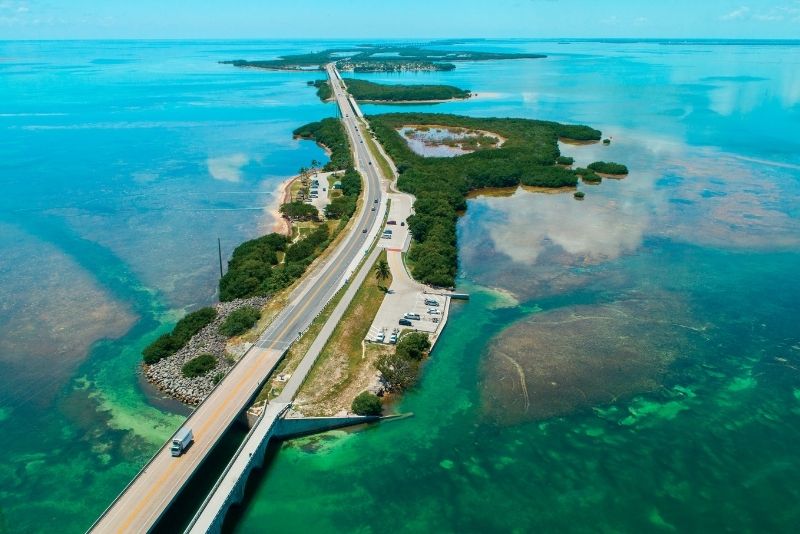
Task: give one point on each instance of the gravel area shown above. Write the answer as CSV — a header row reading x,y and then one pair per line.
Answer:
x,y
166,374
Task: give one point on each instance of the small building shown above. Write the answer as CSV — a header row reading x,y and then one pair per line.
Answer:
x,y
337,184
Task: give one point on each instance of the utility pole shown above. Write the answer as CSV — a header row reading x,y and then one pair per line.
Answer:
x,y
219,250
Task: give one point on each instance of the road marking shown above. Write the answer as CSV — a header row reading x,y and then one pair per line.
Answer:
x,y
215,414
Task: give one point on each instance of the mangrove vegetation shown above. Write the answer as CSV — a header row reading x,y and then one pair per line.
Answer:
x,y
365,91
527,157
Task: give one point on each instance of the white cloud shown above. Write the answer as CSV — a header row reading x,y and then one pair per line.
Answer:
x,y
227,168
737,14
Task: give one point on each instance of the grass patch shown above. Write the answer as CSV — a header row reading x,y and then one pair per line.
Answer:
x,y
342,362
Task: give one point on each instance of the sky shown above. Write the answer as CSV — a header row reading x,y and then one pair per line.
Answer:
x,y
359,19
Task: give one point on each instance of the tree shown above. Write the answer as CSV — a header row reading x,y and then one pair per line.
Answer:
x,y
413,345
398,372
382,271
299,211
367,403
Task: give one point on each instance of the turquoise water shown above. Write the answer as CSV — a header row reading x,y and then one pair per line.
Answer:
x,y
122,162
701,244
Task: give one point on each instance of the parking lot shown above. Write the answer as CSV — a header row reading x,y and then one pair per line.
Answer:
x,y
406,296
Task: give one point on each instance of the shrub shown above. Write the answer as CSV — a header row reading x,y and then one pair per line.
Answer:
x,y
608,167
579,195
239,321
565,160
367,403
199,366
170,343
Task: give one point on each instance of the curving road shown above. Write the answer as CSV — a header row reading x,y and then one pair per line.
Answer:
x,y
141,504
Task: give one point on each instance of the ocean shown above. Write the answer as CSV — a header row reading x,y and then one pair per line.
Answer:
x,y
652,322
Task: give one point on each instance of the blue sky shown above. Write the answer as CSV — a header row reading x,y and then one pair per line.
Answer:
x,y
96,19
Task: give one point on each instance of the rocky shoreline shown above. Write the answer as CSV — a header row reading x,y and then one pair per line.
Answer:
x,y
166,374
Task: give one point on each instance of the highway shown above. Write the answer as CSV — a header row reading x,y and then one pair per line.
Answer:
x,y
144,500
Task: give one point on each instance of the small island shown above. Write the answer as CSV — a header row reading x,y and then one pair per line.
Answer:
x,y
609,167
365,91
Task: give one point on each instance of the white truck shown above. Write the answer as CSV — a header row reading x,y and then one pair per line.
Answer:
x,y
181,441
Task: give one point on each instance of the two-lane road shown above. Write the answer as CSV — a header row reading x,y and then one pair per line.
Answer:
x,y
141,504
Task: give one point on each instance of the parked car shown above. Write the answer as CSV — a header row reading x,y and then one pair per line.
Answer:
x,y
433,311
413,316
402,223
391,222
405,322
431,302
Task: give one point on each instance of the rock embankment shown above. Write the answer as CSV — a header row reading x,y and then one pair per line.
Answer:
x,y
166,374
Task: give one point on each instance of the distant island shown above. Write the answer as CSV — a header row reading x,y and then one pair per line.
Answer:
x,y
365,91
375,58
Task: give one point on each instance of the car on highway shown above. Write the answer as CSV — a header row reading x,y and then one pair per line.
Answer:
x,y
376,201
405,322
412,316
373,208
364,231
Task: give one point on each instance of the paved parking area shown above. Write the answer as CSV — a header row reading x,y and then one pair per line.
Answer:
x,y
399,210
405,296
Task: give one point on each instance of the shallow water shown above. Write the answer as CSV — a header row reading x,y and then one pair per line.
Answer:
x,y
123,162
121,165
698,244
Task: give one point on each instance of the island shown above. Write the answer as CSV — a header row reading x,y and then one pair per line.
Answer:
x,y
379,58
365,91
527,156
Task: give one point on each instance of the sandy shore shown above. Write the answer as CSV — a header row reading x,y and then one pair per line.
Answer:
x,y
282,196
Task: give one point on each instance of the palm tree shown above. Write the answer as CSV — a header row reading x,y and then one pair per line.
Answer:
x,y
382,271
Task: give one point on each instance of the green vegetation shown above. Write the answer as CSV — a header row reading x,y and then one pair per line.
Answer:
x,y
367,403
299,211
378,58
364,90
565,160
324,91
199,366
588,176
170,343
254,268
579,195
344,206
398,372
330,133
441,184
609,167
382,271
606,141
240,321
400,369
414,345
